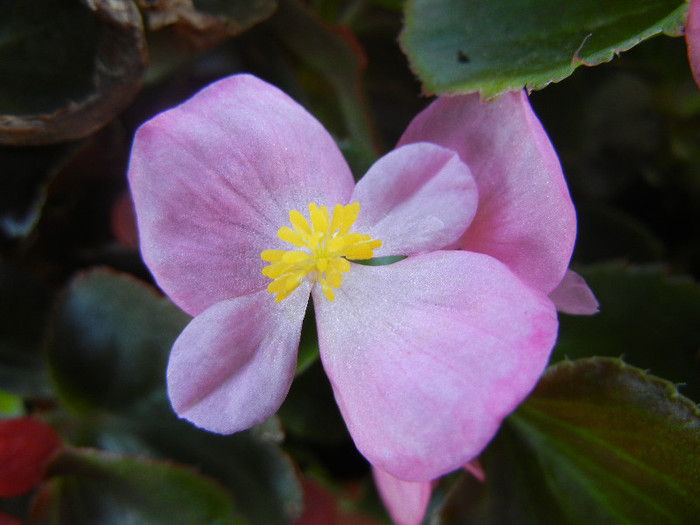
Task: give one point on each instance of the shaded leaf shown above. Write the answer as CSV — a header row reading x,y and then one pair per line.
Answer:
x,y
91,486
308,344
109,340
91,53
491,47
596,442
259,475
310,410
607,234
646,316
334,54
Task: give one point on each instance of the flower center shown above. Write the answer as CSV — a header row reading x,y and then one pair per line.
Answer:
x,y
325,247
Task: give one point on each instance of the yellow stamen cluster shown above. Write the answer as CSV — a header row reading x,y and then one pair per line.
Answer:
x,y
325,246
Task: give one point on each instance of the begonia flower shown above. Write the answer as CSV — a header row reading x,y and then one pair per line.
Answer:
x,y
692,37
246,208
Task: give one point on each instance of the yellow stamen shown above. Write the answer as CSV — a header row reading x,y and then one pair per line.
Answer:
x,y
325,247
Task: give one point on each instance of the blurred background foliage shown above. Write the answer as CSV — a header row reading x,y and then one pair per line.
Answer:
x,y
84,334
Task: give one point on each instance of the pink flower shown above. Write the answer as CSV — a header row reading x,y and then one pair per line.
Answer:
x,y
692,36
426,356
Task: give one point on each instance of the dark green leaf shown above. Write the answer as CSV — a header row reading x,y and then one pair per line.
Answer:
x,y
110,339
109,342
334,55
646,316
308,344
250,464
310,410
457,47
608,234
597,442
91,486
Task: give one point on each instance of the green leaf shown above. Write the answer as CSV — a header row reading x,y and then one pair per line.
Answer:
x,y
334,55
608,234
109,341
597,442
91,486
645,316
310,410
250,464
11,406
308,343
462,47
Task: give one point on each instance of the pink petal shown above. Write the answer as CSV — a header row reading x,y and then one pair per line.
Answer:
x,y
405,501
417,198
214,179
525,217
573,296
692,36
232,366
428,355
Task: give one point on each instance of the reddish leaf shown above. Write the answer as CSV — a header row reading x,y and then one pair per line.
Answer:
x,y
26,446
6,519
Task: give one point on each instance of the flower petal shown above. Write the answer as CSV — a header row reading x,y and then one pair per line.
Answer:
x,y
232,366
215,178
573,296
525,217
428,355
692,36
417,198
405,501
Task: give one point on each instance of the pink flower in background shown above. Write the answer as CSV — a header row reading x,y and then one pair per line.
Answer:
x,y
692,36
524,219
246,207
